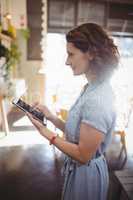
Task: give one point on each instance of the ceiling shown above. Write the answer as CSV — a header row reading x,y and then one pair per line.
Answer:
x,y
115,15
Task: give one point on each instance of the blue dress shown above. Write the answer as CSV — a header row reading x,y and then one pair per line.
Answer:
x,y
95,107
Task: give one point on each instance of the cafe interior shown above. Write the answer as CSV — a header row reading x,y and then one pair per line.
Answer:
x,y
32,67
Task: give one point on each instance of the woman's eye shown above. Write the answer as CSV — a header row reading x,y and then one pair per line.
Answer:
x,y
70,54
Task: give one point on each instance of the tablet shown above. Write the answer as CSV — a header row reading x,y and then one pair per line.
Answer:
x,y
27,108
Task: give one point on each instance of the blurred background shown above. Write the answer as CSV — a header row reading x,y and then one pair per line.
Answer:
x,y
32,66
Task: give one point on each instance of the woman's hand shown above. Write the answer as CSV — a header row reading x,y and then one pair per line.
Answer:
x,y
35,122
48,114
40,127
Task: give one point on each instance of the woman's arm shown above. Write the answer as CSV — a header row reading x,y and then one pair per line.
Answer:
x,y
60,124
90,139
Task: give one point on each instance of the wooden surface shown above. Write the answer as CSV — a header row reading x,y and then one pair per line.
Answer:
x,y
125,179
30,172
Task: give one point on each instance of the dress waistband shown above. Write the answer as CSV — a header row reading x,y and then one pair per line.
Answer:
x,y
70,164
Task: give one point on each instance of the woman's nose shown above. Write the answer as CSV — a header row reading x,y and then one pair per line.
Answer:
x,y
67,62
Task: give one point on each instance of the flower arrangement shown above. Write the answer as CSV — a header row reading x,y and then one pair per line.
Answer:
x,y
9,53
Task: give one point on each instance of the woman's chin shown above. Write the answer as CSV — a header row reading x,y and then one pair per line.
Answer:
x,y
76,73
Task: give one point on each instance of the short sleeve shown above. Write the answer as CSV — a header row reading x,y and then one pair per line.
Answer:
x,y
97,115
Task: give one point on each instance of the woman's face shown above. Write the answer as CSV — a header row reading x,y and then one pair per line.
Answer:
x,y
78,60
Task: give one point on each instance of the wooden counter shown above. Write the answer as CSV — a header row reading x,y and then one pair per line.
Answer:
x,y
4,121
125,179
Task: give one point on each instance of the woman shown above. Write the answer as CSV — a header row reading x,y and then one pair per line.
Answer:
x,y
91,119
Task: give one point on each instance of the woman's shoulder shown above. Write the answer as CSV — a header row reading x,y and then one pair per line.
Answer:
x,y
101,95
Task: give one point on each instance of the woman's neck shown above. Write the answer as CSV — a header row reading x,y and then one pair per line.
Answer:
x,y
90,77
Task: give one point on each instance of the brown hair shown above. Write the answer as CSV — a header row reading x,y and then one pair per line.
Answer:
x,y
93,38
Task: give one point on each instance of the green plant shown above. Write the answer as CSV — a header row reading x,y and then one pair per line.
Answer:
x,y
12,54
3,51
12,57
25,33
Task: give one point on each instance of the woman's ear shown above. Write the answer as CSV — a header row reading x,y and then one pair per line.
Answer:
x,y
90,56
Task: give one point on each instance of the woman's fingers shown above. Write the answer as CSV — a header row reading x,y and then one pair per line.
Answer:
x,y
43,109
35,104
34,121
29,116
